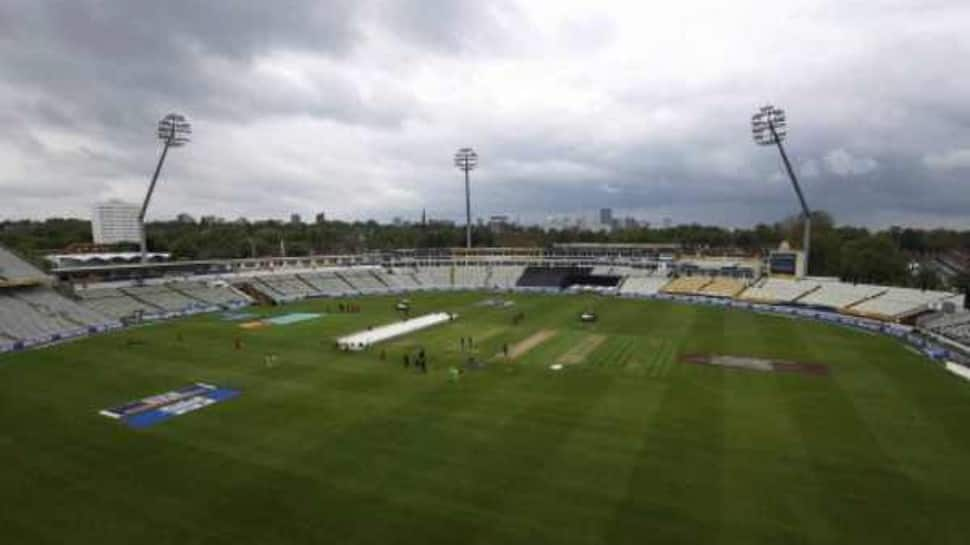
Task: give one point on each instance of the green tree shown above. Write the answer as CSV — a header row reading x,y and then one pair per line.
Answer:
x,y
874,260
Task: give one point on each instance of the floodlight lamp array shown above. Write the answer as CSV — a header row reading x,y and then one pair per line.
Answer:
x,y
769,126
174,130
466,159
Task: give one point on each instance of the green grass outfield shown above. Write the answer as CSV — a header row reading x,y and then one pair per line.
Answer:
x,y
629,446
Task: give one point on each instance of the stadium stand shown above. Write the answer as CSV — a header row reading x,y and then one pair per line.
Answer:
x,y
504,277
48,302
777,290
471,277
363,281
395,282
41,314
115,303
286,286
437,278
399,279
19,321
162,297
271,282
955,327
723,287
14,270
406,278
839,295
687,285
896,303
213,295
643,285
327,283
550,277
32,313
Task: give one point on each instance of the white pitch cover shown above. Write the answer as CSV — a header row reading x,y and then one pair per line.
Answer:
x,y
363,339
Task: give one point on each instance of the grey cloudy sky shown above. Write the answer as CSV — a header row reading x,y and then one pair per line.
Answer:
x,y
356,107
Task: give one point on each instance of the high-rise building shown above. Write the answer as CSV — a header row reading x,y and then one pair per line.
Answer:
x,y
606,216
115,221
295,219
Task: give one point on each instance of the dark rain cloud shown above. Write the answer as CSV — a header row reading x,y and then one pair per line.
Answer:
x,y
354,107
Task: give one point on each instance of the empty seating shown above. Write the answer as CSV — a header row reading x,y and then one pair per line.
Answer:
x,y
839,294
954,326
778,290
162,297
363,280
471,277
12,268
896,303
643,285
687,285
550,277
49,302
504,277
723,287
327,283
287,285
215,295
38,314
435,277
115,303
393,281
401,279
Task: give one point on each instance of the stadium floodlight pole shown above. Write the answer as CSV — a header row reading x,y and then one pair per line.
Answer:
x,y
173,131
466,159
769,127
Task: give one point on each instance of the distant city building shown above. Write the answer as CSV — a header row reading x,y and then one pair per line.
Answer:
x,y
577,223
184,218
630,223
295,219
668,223
115,221
321,218
498,223
561,223
606,216
210,220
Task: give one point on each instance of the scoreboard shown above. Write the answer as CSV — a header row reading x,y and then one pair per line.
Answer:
x,y
786,263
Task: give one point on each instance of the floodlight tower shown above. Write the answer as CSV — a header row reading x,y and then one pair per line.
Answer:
x,y
769,127
173,131
466,159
